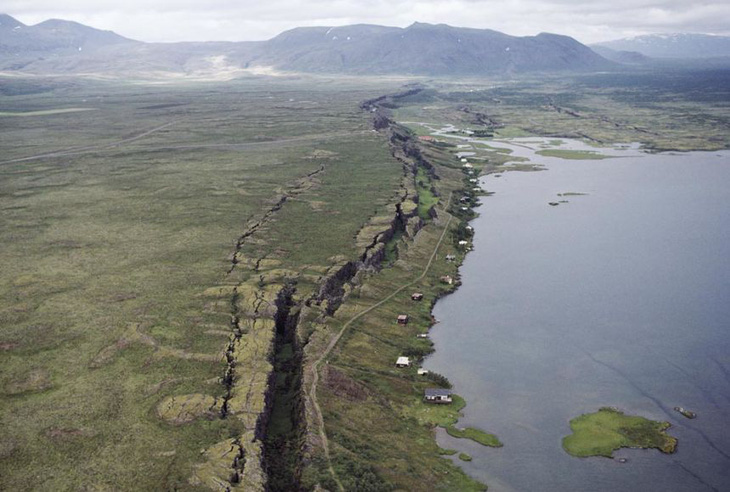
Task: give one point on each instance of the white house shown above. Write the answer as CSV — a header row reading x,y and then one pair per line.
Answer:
x,y
403,362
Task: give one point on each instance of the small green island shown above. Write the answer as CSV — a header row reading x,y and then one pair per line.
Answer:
x,y
572,154
607,430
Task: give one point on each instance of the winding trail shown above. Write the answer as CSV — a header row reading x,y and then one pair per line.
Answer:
x,y
92,148
315,366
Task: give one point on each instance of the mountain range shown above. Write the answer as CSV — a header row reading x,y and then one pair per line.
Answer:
x,y
57,46
65,47
678,45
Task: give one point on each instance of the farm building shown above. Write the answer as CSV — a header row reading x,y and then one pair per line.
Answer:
x,y
403,362
437,395
402,319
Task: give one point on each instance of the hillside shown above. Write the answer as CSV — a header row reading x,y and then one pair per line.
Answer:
x,y
681,45
53,36
421,49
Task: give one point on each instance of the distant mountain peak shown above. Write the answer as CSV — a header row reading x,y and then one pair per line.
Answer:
x,y
674,45
9,22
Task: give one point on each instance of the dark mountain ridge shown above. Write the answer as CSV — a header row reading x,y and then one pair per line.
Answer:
x,y
424,49
57,46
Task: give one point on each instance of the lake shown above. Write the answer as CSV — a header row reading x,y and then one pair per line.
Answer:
x,y
620,297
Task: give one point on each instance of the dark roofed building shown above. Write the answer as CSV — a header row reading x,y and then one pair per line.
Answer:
x,y
437,395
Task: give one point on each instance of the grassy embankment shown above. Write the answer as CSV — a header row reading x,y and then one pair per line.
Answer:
x,y
380,431
603,432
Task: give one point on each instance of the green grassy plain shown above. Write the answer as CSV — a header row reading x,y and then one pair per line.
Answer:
x,y
603,432
115,250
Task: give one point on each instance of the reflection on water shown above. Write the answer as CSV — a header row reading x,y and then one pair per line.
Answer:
x,y
618,297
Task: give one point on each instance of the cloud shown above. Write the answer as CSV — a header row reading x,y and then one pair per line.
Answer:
x,y
193,20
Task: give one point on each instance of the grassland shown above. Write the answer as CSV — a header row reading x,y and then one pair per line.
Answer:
x,y
117,252
603,432
672,110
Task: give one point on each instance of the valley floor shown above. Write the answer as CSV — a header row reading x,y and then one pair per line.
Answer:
x,y
205,279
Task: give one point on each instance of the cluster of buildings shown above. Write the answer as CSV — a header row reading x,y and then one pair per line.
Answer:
x,y
431,395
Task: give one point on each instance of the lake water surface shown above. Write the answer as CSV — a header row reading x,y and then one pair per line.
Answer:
x,y
620,297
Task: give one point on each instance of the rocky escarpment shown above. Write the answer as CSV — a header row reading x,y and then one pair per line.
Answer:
x,y
271,324
377,240
401,217
263,307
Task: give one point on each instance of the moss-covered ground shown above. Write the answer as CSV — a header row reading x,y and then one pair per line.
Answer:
x,y
118,229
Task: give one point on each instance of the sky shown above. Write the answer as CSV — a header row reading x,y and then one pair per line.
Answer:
x,y
588,21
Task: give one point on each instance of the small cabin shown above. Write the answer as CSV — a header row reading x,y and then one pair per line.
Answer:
x,y
437,395
463,159
450,257
422,371
403,362
468,166
402,319
417,296
422,335
463,243
446,279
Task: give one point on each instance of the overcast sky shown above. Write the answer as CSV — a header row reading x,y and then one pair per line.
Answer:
x,y
229,20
